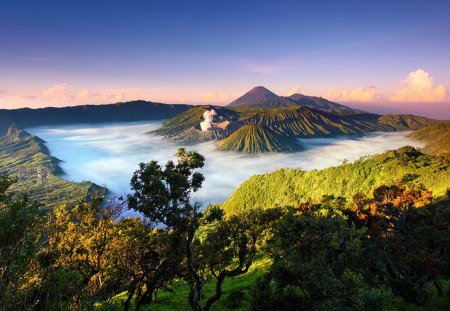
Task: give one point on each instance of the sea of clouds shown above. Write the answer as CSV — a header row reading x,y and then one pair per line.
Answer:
x,y
108,154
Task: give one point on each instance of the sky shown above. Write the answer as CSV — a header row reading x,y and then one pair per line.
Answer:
x,y
384,56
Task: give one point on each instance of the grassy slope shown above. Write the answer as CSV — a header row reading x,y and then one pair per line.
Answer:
x,y
291,186
436,138
26,157
178,299
253,138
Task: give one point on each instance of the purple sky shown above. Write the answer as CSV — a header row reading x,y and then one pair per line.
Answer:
x,y
378,55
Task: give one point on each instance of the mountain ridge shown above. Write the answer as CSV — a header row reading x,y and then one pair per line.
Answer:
x,y
290,122
138,110
26,157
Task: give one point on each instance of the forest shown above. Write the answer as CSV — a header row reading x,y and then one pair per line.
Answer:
x,y
384,249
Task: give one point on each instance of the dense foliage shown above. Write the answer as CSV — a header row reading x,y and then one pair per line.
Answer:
x,y
287,187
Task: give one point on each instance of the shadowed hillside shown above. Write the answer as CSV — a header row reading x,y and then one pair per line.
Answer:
x,y
120,112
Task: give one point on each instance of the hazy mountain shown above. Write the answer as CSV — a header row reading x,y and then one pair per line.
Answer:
x,y
323,104
119,112
253,138
261,97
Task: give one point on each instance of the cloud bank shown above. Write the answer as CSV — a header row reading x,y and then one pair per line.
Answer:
x,y
420,88
361,94
109,154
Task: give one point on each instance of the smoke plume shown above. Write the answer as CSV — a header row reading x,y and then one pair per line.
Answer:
x,y
208,117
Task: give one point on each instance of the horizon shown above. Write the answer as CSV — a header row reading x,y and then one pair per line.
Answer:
x,y
381,57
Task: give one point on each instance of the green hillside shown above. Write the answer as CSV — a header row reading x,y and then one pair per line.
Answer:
x,y
436,138
253,138
292,186
26,157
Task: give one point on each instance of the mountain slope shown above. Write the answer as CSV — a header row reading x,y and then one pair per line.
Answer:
x,y
26,157
253,138
295,121
119,112
436,138
322,104
289,187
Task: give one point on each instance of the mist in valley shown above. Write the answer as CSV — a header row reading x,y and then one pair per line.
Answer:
x,y
108,155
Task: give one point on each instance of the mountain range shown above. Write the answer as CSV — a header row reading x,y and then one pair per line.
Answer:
x,y
258,121
260,96
138,110
278,126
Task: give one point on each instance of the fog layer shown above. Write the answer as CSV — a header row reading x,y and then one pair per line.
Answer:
x,y
109,154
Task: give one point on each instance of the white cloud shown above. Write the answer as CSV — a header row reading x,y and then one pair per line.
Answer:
x,y
420,88
56,93
88,97
216,97
293,90
362,94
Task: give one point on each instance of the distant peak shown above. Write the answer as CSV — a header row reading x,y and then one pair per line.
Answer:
x,y
260,88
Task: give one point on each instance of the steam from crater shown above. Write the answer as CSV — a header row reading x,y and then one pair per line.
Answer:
x,y
208,117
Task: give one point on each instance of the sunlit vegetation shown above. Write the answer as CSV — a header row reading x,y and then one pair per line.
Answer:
x,y
384,249
436,138
288,187
26,157
253,138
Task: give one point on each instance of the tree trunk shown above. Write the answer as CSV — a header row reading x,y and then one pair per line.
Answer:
x,y
146,297
196,282
217,294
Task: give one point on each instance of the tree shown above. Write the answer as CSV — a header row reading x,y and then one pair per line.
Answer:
x,y
78,239
163,195
407,240
19,240
318,264
227,245
214,246
143,259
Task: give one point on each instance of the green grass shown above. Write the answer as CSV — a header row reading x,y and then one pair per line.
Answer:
x,y
178,298
254,138
434,303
